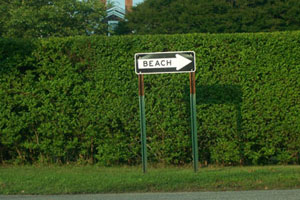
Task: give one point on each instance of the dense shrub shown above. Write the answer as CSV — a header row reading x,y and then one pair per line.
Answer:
x,y
76,100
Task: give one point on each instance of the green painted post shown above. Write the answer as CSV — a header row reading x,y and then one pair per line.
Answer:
x,y
143,121
194,120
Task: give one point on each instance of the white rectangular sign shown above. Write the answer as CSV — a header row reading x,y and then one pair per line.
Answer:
x,y
165,62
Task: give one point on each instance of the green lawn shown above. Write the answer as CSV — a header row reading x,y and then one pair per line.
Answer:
x,y
93,179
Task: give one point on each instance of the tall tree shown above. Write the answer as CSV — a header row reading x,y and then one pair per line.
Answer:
x,y
213,16
45,18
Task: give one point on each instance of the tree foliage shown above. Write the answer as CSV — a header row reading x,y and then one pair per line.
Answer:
x,y
212,16
44,18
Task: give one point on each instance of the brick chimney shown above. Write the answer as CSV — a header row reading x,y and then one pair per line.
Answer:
x,y
128,5
103,1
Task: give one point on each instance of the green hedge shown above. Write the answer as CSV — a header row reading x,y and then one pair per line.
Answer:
x,y
76,100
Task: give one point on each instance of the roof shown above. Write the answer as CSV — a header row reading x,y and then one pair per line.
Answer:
x,y
116,12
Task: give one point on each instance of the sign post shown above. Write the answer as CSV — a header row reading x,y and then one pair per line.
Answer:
x,y
193,120
167,62
143,121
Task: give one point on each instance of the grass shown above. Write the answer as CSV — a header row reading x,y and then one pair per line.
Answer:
x,y
93,179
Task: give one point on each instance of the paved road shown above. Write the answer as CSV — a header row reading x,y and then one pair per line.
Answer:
x,y
243,195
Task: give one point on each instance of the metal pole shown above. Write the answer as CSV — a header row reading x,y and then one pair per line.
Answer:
x,y
193,120
143,121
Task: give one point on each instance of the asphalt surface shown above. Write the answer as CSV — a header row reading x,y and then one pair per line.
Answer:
x,y
239,195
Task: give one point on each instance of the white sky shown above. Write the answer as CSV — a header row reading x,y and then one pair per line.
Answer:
x,y
122,2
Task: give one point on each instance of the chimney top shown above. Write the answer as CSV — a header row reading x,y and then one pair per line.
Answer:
x,y
128,6
103,1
